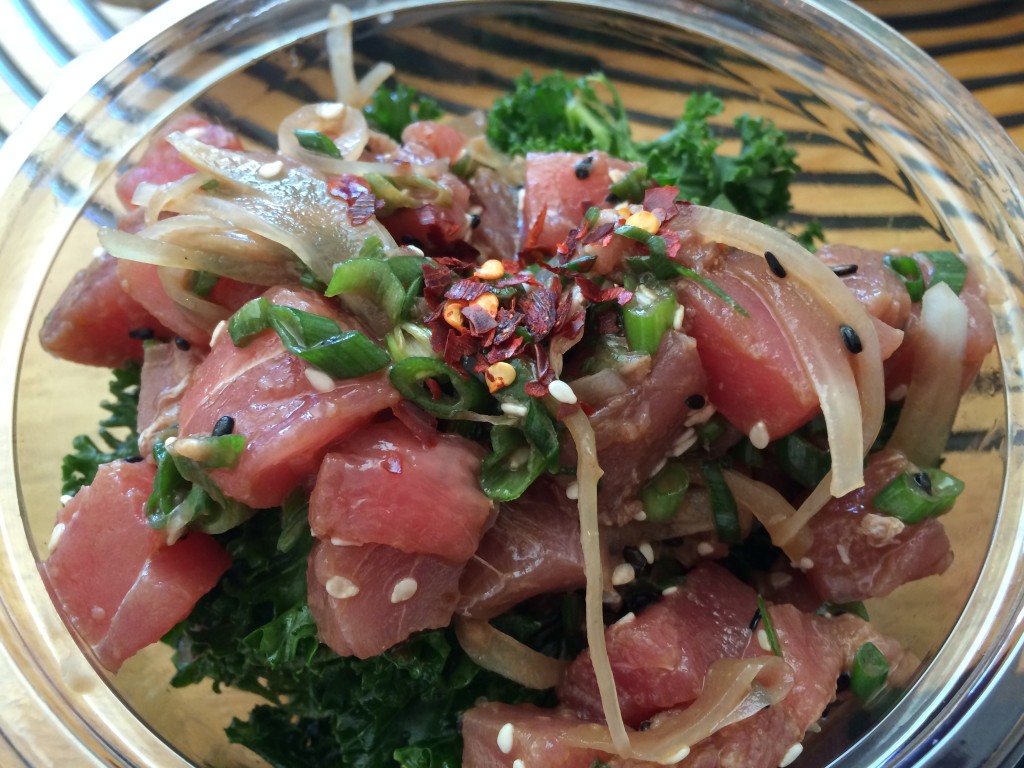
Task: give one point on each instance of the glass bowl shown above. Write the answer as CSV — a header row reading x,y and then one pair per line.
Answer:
x,y
895,155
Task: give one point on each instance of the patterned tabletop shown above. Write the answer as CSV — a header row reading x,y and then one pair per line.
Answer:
x,y
981,42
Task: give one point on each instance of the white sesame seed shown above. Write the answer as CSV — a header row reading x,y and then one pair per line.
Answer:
x,y
514,409
684,442
678,756
791,754
898,393
415,251
218,331
623,574
669,591
762,640
780,579
646,550
170,441
628,618
517,763
806,563
844,553
341,588
404,590
572,490
330,110
640,516
658,467
194,132
98,251
58,531
339,542
705,548
322,382
562,392
66,499
505,735
759,436
97,613
677,318
270,170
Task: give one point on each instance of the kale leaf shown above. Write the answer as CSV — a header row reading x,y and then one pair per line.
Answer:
x,y
391,110
254,632
558,114
79,468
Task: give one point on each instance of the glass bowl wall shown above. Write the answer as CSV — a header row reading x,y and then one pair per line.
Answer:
x,y
895,155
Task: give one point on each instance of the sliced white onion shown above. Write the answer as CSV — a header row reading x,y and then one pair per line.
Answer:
x,y
734,689
599,387
934,391
588,472
157,198
772,510
342,61
294,209
204,313
492,649
344,125
822,285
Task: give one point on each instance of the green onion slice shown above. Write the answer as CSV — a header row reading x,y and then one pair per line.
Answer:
x,y
512,465
664,493
370,279
632,186
648,316
802,460
869,673
250,319
203,282
322,343
910,272
915,496
315,141
456,393
769,627
949,269
723,505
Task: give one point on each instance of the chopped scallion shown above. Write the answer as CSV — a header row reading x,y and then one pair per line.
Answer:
x,y
452,394
802,460
869,673
315,141
203,282
915,496
250,319
632,186
370,279
949,269
910,272
769,627
723,505
664,493
647,317
322,343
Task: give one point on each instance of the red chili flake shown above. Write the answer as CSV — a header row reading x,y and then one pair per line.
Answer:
x,y
457,346
480,322
467,289
672,242
457,255
661,201
598,233
507,321
539,307
435,389
356,191
504,351
519,278
565,411
574,327
594,293
562,310
436,279
535,229
439,330
535,389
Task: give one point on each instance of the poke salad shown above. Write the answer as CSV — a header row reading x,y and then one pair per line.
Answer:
x,y
505,439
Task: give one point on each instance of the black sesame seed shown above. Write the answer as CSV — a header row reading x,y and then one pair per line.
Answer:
x,y
225,426
182,344
851,339
143,334
635,558
923,481
842,270
582,168
774,264
695,402
756,620
474,220
644,726
134,459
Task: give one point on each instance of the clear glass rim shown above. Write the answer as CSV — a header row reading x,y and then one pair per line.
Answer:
x,y
978,668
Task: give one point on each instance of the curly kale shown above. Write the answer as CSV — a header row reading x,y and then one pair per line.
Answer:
x,y
391,110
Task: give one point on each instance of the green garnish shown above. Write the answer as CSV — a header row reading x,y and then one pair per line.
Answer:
x,y
913,497
910,273
647,317
315,141
769,627
723,505
949,269
391,110
664,493
453,393
869,673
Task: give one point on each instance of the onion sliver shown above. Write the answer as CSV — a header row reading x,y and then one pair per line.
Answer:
x,y
501,653
588,472
152,251
734,689
822,284
344,125
772,510
342,61
294,208
934,391
204,313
